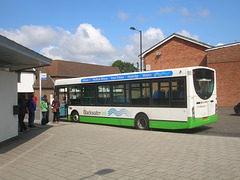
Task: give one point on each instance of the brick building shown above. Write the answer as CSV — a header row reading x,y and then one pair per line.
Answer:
x,y
178,51
174,52
226,61
67,69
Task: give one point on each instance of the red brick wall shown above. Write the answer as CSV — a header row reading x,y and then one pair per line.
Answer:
x,y
228,83
226,62
227,54
176,53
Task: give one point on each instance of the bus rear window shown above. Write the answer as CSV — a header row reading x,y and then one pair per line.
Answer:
x,y
203,82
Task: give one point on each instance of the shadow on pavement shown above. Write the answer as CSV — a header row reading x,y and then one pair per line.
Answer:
x,y
22,138
234,114
186,131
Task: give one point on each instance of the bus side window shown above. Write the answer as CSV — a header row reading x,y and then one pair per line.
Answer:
x,y
178,89
178,98
88,95
160,91
121,94
140,93
75,95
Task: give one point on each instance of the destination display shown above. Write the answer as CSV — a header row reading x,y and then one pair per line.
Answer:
x,y
128,76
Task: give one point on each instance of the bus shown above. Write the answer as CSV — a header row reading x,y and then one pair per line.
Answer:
x,y
182,98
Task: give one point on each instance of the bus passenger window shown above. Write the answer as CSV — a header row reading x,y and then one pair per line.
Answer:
x,y
88,95
120,94
178,89
160,91
75,95
103,97
140,93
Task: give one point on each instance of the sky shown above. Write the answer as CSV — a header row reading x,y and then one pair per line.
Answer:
x,y
98,31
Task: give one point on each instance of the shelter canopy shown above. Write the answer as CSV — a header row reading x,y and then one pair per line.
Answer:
x,y
17,57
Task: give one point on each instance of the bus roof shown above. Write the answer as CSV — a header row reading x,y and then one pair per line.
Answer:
x,y
127,76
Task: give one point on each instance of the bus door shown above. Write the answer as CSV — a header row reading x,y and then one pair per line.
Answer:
x,y
62,96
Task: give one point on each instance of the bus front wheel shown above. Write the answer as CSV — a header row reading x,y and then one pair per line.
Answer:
x,y
75,116
142,122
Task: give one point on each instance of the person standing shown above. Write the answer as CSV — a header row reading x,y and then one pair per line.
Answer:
x,y
32,109
44,108
21,115
55,110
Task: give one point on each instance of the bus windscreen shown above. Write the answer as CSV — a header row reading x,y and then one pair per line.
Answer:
x,y
203,82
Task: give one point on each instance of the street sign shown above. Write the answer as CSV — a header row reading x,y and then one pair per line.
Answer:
x,y
44,76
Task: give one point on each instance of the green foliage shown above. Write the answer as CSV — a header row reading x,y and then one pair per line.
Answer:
x,y
124,67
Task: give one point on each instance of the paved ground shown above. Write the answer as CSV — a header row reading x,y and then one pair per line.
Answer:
x,y
86,151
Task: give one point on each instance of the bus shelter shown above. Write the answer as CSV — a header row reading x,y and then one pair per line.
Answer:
x,y
14,58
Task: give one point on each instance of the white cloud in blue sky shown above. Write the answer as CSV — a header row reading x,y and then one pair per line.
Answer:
x,y
187,34
86,44
32,36
167,10
123,16
183,11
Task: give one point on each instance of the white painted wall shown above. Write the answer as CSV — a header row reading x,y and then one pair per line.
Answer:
x,y
26,82
8,98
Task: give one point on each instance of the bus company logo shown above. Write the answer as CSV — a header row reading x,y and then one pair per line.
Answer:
x,y
119,113
89,112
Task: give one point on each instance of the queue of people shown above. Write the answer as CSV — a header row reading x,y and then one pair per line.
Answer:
x,y
29,107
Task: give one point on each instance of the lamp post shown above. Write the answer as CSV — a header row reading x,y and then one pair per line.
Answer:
x,y
133,28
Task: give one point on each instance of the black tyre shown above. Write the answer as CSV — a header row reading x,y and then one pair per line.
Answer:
x,y
142,122
75,116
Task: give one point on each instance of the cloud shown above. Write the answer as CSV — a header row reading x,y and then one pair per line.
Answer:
x,y
204,13
150,37
32,36
167,10
187,34
183,11
196,15
141,19
123,16
87,44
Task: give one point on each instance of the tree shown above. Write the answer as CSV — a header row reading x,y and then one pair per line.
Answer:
x,y
125,67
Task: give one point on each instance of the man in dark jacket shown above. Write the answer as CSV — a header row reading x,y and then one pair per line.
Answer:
x,y
21,114
32,109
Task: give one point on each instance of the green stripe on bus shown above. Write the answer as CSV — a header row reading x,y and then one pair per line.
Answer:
x,y
109,121
192,123
167,125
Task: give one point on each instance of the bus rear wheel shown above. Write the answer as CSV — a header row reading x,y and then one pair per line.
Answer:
x,y
75,116
142,122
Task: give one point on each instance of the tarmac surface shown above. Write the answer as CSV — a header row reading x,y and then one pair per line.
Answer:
x,y
80,151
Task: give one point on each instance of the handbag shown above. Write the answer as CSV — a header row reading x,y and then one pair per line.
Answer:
x,y
54,110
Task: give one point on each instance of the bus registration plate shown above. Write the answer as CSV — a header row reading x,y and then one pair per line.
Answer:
x,y
205,118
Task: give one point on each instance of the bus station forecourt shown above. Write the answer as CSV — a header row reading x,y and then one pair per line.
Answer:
x,y
68,150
